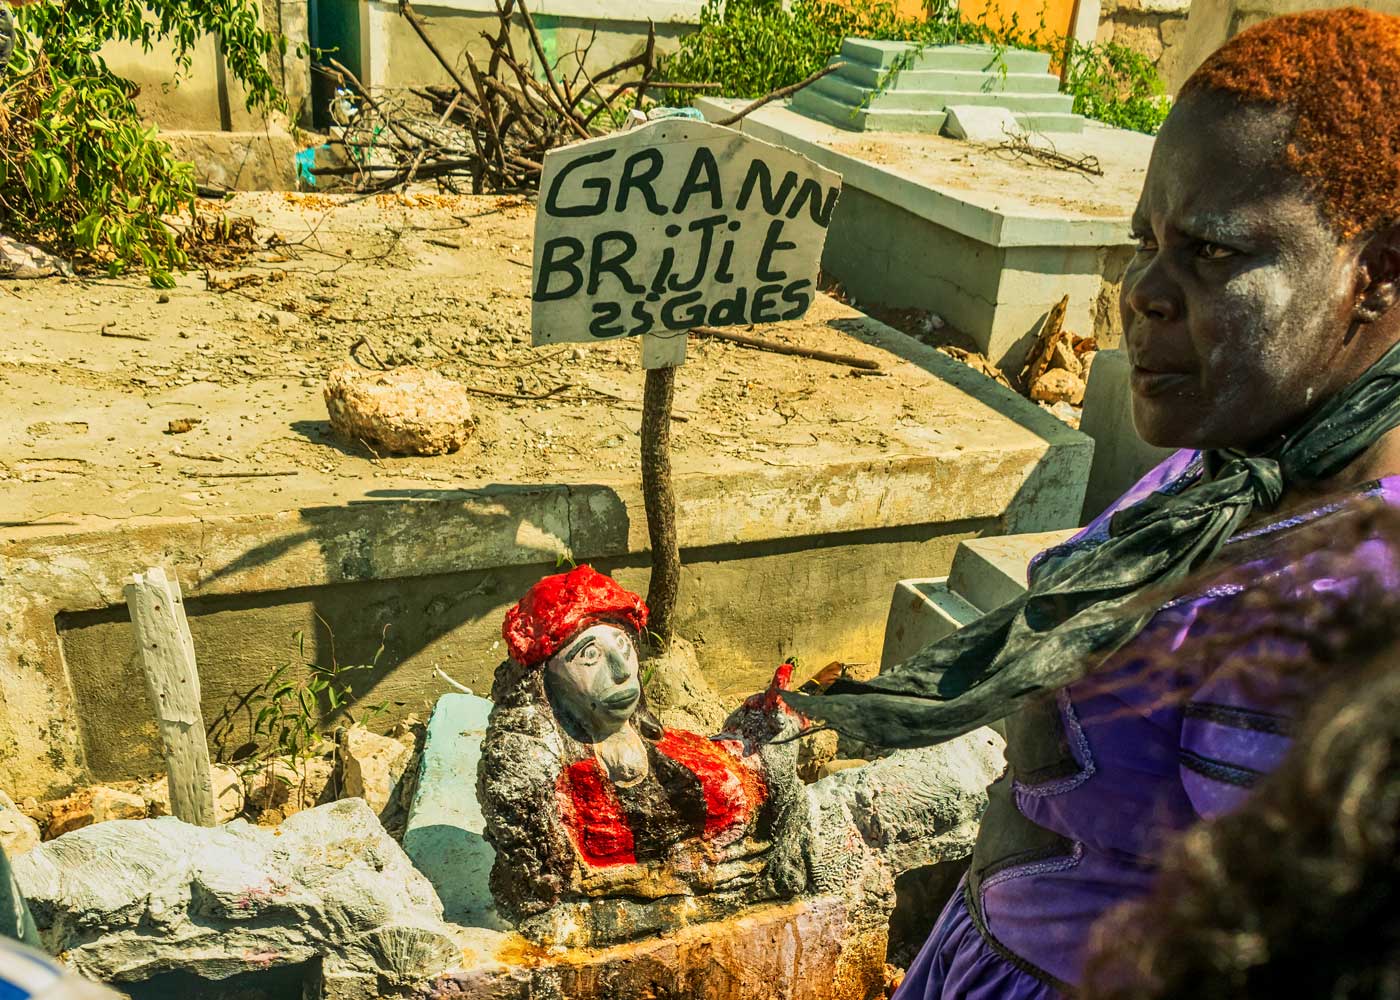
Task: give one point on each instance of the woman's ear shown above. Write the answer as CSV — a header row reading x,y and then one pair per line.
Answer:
x,y
1378,276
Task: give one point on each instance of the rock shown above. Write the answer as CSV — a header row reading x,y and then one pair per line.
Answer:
x,y
406,411
371,767
840,764
18,833
67,814
912,808
284,319
815,753
22,260
229,795
981,123
1058,386
111,803
129,900
289,787
1063,357
1086,361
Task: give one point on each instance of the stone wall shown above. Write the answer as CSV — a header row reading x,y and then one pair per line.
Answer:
x,y
1213,22
1155,28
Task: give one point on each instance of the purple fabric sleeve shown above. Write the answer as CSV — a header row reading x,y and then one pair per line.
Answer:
x,y
1230,739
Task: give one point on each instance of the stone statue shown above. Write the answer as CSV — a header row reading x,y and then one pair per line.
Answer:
x,y
609,826
606,824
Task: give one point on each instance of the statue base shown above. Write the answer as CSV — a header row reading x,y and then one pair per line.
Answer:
x,y
818,948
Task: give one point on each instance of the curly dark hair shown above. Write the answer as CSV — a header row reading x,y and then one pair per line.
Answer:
x,y
1338,72
1296,893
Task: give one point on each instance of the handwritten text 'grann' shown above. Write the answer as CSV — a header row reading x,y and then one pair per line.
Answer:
x,y
674,225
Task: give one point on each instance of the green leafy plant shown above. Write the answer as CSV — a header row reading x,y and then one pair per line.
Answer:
x,y
79,170
753,47
293,708
1116,85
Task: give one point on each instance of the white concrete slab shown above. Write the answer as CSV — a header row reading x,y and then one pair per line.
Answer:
x,y
989,572
921,612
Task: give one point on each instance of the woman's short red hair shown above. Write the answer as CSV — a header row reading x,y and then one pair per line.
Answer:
x,y
1338,73
559,607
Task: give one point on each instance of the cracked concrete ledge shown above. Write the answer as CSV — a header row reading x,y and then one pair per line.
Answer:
x,y
792,559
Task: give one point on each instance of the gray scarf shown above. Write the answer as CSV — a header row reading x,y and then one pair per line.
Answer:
x,y
1079,602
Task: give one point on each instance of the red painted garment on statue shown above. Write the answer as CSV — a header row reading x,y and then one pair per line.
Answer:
x,y
717,799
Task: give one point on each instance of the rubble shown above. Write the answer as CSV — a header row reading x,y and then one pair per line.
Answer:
x,y
372,768
408,411
127,901
111,803
1058,386
281,788
229,795
18,832
23,260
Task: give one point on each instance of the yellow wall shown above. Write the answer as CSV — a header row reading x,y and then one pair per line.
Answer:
x,y
1057,13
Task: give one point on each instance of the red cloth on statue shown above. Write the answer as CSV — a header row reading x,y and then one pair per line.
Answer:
x,y
597,821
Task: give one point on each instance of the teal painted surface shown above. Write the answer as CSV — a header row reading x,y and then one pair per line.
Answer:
x,y
444,834
548,27
335,28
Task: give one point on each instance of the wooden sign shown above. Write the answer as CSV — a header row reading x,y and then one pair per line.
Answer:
x,y
675,224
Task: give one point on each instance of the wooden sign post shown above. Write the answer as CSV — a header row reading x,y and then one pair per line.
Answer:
x,y
649,232
172,682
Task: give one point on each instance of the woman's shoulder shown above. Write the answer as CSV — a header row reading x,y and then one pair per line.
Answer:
x,y
1176,472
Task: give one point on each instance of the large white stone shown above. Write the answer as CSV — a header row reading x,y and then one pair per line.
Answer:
x,y
981,123
128,900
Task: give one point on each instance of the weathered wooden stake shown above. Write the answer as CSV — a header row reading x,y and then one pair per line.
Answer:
x,y
172,682
660,357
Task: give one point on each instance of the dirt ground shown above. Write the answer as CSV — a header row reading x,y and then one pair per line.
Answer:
x,y
95,371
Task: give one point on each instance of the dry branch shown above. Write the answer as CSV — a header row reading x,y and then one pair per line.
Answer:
x,y
497,119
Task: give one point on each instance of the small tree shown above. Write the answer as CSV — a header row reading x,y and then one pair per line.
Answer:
x,y
79,170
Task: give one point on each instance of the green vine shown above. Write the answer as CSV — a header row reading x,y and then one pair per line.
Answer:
x,y
79,170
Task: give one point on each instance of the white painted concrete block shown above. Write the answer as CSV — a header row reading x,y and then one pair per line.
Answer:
x,y
989,572
922,611
980,123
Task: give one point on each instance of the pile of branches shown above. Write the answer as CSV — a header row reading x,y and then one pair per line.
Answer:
x,y
494,125
490,130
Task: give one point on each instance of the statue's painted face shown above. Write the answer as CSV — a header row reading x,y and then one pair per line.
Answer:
x,y
595,681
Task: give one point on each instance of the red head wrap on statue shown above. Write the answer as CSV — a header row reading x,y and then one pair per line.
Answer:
x,y
557,608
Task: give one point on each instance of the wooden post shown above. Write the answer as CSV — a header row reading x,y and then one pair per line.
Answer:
x,y
660,357
172,683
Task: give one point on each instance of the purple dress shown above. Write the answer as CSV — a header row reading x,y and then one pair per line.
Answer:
x,y
1135,767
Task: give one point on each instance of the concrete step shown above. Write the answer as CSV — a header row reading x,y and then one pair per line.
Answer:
x,y
921,612
904,99
962,81
1064,123
989,572
977,58
823,108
